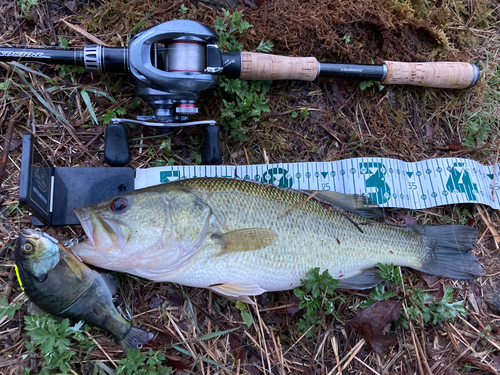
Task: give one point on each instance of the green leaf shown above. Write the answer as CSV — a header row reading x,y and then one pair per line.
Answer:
x,y
88,103
103,94
63,42
265,46
365,84
5,84
391,273
240,305
142,21
7,310
212,335
42,100
110,114
52,340
247,318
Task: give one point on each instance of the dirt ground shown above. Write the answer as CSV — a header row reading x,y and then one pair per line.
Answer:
x,y
342,121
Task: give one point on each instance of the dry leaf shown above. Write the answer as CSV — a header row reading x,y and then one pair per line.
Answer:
x,y
371,323
408,220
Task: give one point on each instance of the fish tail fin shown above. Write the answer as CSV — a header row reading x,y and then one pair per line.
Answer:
x,y
449,253
136,338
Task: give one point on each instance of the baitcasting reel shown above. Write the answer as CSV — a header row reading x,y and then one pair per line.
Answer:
x,y
171,63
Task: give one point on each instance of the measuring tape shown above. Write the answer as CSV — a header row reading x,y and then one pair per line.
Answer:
x,y
387,182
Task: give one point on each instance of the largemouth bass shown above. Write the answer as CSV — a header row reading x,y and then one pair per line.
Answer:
x,y
240,238
60,284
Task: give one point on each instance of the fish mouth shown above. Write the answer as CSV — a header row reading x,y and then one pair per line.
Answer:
x,y
85,220
31,233
36,234
102,231
117,228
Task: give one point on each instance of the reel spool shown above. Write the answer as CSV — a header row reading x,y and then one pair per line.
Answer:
x,y
173,63
186,56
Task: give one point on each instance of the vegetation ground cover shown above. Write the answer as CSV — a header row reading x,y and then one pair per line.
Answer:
x,y
448,326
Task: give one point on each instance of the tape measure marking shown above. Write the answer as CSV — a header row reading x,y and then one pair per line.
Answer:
x,y
388,182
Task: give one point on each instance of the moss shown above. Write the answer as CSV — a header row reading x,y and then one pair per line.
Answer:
x,y
400,8
421,8
116,16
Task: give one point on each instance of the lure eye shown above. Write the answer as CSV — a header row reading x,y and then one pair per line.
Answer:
x,y
27,247
118,204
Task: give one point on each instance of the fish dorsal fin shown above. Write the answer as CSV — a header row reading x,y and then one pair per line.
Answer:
x,y
367,279
359,204
246,239
237,291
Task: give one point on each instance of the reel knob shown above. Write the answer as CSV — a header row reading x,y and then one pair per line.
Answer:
x,y
210,154
116,149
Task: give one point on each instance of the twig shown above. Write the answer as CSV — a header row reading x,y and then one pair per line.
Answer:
x,y
89,36
266,159
6,148
264,344
477,331
364,364
496,236
298,204
349,357
417,352
10,282
300,338
421,346
279,353
222,326
246,155
278,307
346,215
101,348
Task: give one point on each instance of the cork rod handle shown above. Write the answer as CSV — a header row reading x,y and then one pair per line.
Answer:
x,y
262,66
446,75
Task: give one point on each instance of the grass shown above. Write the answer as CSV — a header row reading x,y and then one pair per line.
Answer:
x,y
244,101
25,8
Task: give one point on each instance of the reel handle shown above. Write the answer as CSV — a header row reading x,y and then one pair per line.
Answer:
x,y
116,149
210,154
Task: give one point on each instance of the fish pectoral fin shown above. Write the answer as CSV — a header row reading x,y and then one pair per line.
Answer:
x,y
359,204
237,291
246,239
367,279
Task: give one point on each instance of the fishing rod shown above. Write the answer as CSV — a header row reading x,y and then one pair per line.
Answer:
x,y
174,62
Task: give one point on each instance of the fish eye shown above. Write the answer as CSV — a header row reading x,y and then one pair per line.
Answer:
x,y
27,247
118,204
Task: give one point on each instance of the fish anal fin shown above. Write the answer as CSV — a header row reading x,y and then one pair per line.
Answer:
x,y
237,291
246,239
367,279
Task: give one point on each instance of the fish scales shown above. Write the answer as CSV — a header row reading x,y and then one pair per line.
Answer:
x,y
307,236
234,237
